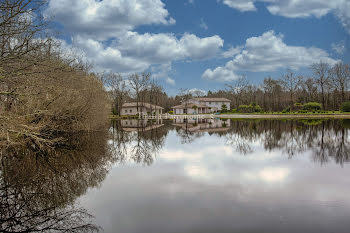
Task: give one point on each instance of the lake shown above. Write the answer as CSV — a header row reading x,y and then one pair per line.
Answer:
x,y
206,175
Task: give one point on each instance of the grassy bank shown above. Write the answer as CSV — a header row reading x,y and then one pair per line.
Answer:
x,y
284,115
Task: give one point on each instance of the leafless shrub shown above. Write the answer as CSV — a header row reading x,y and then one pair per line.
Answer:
x,y
43,94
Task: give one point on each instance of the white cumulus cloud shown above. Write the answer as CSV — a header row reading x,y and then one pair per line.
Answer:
x,y
265,53
231,51
197,92
170,81
339,47
241,5
163,47
134,52
107,18
222,74
103,33
343,13
108,58
299,8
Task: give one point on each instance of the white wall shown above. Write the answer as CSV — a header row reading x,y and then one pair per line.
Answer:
x,y
128,111
178,111
131,110
189,111
212,104
216,104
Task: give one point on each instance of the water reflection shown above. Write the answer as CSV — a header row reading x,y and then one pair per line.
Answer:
x,y
206,175
38,191
191,129
138,140
203,125
227,176
325,139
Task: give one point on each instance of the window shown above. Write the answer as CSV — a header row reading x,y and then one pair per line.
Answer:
x,y
209,102
126,111
130,111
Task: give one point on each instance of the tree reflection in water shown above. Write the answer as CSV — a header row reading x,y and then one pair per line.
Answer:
x,y
140,141
38,191
325,139
188,130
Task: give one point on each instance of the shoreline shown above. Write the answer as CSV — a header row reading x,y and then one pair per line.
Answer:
x,y
284,116
262,116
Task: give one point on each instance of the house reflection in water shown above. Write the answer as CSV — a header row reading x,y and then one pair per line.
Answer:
x,y
203,125
135,124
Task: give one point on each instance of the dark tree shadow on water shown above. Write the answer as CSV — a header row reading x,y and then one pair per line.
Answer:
x,y
327,140
38,191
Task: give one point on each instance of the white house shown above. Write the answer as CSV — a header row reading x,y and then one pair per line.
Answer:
x,y
144,108
201,105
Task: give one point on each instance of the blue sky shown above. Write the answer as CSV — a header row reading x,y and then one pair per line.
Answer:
x,y
204,44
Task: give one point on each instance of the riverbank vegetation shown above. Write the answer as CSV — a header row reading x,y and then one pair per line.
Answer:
x,y
45,94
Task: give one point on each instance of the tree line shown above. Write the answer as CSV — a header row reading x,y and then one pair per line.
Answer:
x,y
328,85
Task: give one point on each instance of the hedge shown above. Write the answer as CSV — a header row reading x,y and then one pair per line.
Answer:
x,y
345,107
312,106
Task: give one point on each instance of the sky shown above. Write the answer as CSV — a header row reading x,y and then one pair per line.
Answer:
x,y
203,44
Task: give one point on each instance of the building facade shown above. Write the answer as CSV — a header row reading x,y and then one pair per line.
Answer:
x,y
141,108
202,105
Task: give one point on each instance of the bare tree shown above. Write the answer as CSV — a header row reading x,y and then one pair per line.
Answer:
x,y
237,89
197,93
117,87
291,83
139,83
24,40
185,96
155,90
310,88
321,72
271,87
340,77
45,95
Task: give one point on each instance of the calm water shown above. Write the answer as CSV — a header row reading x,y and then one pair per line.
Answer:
x,y
206,176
